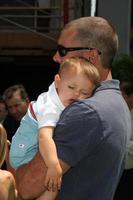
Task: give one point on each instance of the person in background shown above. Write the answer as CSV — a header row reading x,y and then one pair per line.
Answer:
x,y
3,110
77,78
17,101
123,71
8,189
91,135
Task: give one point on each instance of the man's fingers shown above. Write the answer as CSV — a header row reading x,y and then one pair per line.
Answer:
x,y
53,185
46,181
50,185
59,184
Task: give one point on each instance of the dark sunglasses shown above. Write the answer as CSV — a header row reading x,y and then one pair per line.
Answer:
x,y
64,50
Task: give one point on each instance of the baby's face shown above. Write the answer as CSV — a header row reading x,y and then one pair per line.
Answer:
x,y
72,87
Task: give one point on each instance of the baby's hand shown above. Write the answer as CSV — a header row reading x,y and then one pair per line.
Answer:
x,y
53,178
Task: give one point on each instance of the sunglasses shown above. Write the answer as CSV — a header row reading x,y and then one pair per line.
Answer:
x,y
64,50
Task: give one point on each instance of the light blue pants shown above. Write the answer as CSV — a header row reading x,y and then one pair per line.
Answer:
x,y
24,145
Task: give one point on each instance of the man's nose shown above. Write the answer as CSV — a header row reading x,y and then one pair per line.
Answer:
x,y
57,58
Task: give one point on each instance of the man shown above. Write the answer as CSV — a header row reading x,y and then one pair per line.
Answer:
x,y
17,101
123,71
92,134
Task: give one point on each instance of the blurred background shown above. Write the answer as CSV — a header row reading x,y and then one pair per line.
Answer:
x,y
29,30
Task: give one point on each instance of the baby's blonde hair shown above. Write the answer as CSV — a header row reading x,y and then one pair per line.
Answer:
x,y
80,65
3,144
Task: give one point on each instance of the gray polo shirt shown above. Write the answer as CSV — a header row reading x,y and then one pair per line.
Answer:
x,y
91,136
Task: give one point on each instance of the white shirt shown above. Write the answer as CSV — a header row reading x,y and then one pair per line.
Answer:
x,y
47,108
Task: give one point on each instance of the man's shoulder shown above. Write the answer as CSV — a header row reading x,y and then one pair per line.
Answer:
x,y
80,109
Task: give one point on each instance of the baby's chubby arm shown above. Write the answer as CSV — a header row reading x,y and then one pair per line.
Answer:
x,y
48,152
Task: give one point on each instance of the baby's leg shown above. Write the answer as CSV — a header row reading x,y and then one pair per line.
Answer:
x,y
48,195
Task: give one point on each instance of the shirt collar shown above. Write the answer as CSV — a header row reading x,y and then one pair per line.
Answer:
x,y
54,96
109,84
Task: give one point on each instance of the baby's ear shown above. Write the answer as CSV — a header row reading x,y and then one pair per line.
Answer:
x,y
57,80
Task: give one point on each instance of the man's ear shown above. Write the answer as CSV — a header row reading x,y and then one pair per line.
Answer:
x,y
91,56
57,80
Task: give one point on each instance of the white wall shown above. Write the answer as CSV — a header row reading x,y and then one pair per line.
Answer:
x,y
119,13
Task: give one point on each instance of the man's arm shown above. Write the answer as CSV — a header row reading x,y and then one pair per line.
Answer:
x,y
30,178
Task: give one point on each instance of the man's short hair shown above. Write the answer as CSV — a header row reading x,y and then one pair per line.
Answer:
x,y
9,92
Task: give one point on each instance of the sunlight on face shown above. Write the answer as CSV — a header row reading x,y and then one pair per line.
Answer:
x,y
73,86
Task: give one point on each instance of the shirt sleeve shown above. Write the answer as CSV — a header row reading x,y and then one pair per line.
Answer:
x,y
77,133
47,113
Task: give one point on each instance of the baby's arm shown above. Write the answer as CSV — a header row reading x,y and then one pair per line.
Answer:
x,y
48,152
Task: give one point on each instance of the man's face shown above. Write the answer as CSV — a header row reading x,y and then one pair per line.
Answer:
x,y
66,40
16,106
